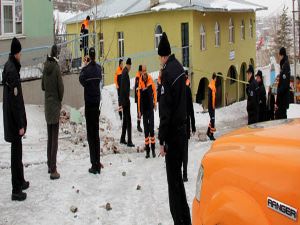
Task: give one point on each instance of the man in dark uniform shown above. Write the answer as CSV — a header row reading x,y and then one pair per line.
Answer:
x,y
14,116
138,77
90,78
125,104
212,107
190,125
283,95
172,129
117,81
252,101
262,97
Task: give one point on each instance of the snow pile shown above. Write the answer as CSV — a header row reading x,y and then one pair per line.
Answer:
x,y
166,6
294,111
232,5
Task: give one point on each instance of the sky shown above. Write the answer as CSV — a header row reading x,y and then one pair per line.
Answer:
x,y
275,6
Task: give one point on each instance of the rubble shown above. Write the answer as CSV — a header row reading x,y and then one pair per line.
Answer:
x,y
74,209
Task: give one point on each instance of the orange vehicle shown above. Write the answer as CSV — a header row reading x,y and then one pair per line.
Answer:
x,y
251,176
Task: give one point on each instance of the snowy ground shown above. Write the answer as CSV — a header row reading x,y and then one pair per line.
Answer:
x,y
49,202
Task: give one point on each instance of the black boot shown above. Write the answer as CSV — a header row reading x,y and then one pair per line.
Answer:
x,y
153,150
120,114
25,185
139,126
21,196
130,144
208,132
147,148
123,142
212,138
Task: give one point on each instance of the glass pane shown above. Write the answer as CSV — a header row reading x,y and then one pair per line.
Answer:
x,y
8,19
19,16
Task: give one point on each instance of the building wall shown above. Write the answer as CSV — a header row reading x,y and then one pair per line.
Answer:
x,y
216,59
37,25
139,33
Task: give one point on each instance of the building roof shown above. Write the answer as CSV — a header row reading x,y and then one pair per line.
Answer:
x,y
118,8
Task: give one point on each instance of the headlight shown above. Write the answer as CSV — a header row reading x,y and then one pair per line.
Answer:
x,y
199,183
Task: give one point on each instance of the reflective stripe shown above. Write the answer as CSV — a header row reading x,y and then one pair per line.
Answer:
x,y
152,140
178,78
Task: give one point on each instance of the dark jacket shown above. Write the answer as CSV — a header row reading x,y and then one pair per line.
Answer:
x,y
172,103
262,98
53,86
146,95
253,99
190,112
90,78
283,90
125,88
136,85
14,114
270,106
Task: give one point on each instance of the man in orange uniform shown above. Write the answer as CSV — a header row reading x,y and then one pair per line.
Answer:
x,y
211,107
117,80
86,22
146,106
136,86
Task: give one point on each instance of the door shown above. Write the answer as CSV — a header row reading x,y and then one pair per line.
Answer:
x,y
185,44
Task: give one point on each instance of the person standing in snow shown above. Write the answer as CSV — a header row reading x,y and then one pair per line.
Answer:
x,y
283,89
189,124
262,97
125,104
270,105
136,86
211,107
252,101
172,129
117,81
53,86
146,106
14,118
84,39
90,78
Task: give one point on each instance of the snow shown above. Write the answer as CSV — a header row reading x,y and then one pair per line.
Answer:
x,y
60,18
166,6
116,8
232,5
49,202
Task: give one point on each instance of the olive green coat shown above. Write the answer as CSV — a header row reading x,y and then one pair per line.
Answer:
x,y
53,86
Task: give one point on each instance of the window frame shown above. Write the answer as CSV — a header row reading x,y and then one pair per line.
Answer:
x,y
11,3
217,35
157,36
231,32
121,46
243,30
251,28
202,38
101,45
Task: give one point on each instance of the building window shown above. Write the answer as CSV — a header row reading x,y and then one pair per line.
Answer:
x,y
121,44
202,38
11,17
243,30
101,44
251,28
231,31
217,35
158,35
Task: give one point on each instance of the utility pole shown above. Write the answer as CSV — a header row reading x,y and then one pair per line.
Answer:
x,y
295,58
